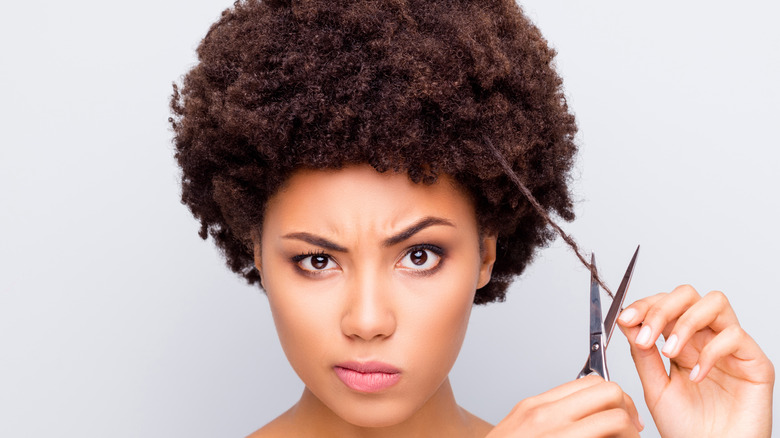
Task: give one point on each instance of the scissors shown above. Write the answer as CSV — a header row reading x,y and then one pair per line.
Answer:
x,y
601,330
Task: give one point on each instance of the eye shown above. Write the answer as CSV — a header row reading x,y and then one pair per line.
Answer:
x,y
315,262
422,258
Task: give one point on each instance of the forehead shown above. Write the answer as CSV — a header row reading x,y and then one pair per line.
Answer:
x,y
359,197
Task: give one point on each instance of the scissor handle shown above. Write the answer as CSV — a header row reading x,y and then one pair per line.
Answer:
x,y
597,360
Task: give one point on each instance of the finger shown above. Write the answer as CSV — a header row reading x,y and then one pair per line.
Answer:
x,y
635,313
612,423
662,312
588,401
632,411
649,366
559,392
544,409
597,398
713,311
732,340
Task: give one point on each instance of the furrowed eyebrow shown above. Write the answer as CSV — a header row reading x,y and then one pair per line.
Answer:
x,y
410,231
316,240
416,228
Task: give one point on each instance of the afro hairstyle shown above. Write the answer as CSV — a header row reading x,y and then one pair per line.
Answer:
x,y
412,86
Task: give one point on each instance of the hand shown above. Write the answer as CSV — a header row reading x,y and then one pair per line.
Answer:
x,y
719,382
587,407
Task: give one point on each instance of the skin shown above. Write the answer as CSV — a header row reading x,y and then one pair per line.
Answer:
x,y
369,300
729,394
720,382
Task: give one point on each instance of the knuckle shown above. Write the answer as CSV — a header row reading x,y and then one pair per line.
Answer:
x,y
521,406
536,415
614,392
689,291
718,297
736,332
622,417
685,290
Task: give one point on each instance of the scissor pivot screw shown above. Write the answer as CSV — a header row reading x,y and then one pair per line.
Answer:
x,y
594,347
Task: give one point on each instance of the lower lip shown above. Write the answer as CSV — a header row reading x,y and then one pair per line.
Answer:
x,y
367,382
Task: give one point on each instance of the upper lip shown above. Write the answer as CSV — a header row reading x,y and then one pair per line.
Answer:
x,y
369,367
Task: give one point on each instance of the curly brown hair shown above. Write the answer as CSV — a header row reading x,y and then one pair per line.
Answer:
x,y
414,86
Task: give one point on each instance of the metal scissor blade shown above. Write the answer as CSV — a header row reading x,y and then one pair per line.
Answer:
x,y
597,361
596,323
617,302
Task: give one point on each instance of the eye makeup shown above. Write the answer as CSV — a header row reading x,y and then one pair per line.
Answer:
x,y
302,256
318,260
437,250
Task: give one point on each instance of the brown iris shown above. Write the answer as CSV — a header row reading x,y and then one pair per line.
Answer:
x,y
419,257
319,262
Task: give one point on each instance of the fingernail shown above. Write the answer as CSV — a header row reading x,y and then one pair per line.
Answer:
x,y
641,422
627,316
694,372
644,335
670,345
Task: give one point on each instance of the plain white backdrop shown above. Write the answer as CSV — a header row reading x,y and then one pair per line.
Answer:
x,y
117,320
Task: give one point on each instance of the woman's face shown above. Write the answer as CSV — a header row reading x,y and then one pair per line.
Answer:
x,y
371,280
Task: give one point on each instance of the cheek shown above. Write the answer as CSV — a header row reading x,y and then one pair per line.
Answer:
x,y
298,317
304,326
439,319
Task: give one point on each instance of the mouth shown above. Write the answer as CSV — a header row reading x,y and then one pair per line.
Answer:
x,y
367,376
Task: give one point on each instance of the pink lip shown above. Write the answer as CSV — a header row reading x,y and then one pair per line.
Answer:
x,y
367,376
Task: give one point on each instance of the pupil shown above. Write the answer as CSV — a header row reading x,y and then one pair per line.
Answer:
x,y
419,257
319,262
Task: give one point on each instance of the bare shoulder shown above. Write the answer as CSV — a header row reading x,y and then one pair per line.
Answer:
x,y
478,426
268,431
279,427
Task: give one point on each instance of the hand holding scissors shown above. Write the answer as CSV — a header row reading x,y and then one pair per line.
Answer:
x,y
719,383
587,406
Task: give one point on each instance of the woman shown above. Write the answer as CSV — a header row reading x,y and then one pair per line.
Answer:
x,y
347,157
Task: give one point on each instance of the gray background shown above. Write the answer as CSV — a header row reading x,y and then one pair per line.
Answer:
x,y
116,319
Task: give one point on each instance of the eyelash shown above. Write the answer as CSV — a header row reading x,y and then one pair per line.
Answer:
x,y
432,248
302,256
426,246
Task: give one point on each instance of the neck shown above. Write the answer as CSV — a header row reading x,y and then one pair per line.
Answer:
x,y
439,416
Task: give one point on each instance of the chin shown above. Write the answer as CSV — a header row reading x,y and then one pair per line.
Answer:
x,y
365,419
374,413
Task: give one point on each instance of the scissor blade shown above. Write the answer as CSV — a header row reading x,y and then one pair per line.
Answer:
x,y
617,302
597,361
596,323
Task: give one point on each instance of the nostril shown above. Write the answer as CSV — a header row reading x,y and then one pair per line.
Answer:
x,y
369,308
368,322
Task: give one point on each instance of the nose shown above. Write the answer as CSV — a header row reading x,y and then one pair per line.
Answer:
x,y
369,312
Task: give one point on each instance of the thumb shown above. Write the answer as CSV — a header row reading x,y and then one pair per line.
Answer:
x,y
649,365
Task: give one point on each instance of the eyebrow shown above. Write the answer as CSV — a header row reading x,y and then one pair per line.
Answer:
x,y
316,240
407,233
415,228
